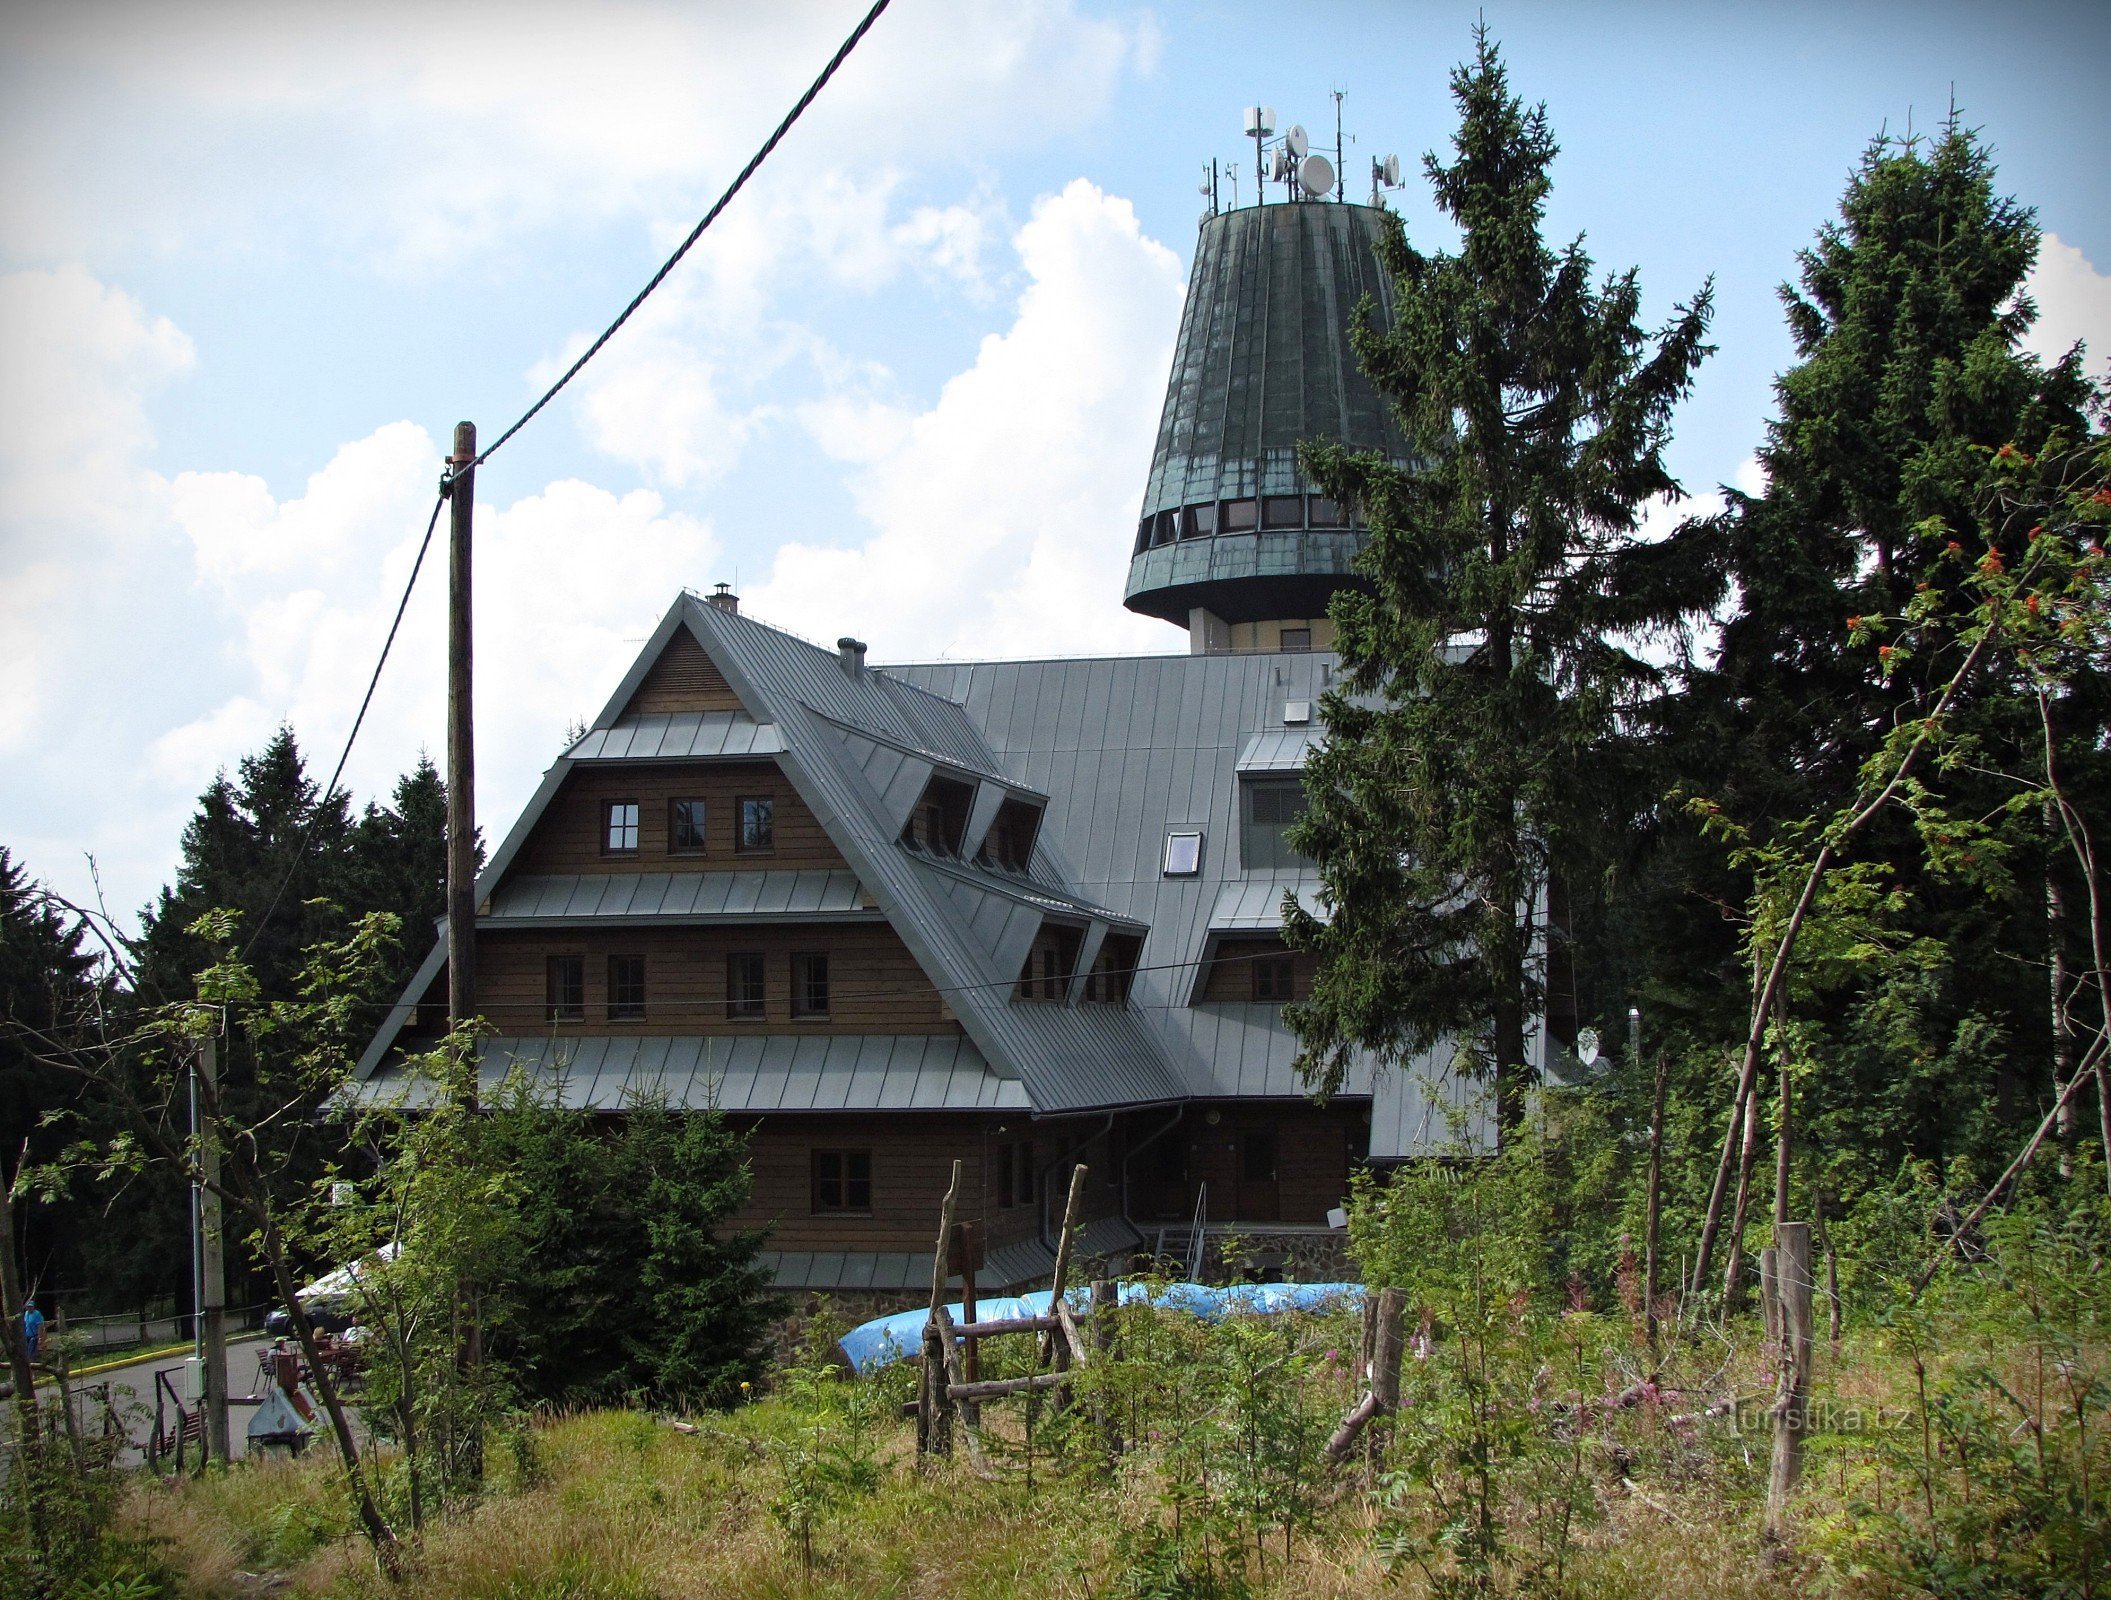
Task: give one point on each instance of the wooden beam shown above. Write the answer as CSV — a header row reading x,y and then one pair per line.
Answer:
x,y
993,1388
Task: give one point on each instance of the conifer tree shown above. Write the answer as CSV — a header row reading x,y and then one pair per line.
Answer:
x,y
1911,379
1487,671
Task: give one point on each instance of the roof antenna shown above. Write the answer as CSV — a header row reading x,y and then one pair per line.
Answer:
x,y
1341,167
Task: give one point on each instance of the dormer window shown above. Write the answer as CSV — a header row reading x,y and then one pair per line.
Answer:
x,y
939,822
1010,844
1045,974
619,835
1270,807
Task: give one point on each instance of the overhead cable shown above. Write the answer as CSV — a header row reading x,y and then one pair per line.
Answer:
x,y
344,755
756,160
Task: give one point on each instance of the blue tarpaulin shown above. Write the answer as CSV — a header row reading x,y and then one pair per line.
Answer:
x,y
884,1339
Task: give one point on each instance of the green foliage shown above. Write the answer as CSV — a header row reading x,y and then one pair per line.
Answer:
x,y
1486,678
828,1453
1488,1487
2001,1470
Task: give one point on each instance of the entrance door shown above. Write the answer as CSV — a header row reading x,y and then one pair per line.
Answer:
x,y
1259,1197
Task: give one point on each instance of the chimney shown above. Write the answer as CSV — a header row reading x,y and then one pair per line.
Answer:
x,y
723,598
851,652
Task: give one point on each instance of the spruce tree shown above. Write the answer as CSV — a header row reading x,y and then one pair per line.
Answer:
x,y
1487,672
1911,379
47,978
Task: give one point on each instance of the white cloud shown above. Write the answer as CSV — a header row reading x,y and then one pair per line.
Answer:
x,y
2074,303
422,135
1001,516
567,582
82,362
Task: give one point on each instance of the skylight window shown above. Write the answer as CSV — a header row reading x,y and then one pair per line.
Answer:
x,y
1183,853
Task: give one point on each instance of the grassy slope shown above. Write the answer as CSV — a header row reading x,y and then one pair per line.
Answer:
x,y
627,1508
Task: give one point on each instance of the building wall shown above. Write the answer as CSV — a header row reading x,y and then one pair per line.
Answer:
x,y
683,679
1315,1149
875,985
570,836
912,1160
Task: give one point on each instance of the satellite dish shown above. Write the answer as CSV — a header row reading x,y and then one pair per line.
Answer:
x,y
1392,171
1587,1046
1316,173
1300,144
1278,165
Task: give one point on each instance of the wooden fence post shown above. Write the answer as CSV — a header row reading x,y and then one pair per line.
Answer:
x,y
1105,1297
1792,1272
934,1429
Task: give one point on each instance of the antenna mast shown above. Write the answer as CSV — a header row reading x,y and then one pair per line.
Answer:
x,y
1341,167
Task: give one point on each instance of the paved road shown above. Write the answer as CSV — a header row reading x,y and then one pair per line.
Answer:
x,y
132,1392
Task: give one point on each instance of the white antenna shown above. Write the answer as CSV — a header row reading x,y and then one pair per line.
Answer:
x,y
1300,145
1385,175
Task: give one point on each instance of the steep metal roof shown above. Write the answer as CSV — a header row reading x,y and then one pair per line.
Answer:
x,y
1263,362
1129,749
680,897
1121,750
678,735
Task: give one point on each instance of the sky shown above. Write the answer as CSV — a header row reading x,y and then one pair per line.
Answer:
x,y
256,261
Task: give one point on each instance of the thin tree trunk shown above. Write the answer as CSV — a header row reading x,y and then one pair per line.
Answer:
x,y
2063,1043
1785,947
1792,1276
29,1424
1733,1255
1785,1105
1655,1206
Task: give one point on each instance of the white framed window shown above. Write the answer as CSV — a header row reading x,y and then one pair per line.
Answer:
x,y
621,835
1183,852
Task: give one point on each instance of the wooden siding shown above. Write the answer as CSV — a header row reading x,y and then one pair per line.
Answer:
x,y
1314,1150
1231,973
570,836
875,985
683,679
912,1160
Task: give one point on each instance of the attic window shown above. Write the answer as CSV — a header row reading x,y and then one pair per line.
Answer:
x,y
1108,981
1295,640
1183,853
620,836
939,823
1010,844
1297,712
1046,972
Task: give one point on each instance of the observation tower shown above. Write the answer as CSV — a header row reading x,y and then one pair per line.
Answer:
x,y
1234,544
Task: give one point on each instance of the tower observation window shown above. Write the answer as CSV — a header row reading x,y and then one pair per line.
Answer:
x,y
1237,516
1283,511
1326,512
1198,522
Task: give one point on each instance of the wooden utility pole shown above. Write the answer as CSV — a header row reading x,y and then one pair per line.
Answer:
x,y
461,736
212,1257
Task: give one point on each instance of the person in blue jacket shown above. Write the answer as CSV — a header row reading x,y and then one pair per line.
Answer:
x,y
33,1330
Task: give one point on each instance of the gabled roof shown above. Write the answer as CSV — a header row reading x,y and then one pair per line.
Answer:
x,y
1115,751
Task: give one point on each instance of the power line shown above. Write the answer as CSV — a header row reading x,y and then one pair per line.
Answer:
x,y
756,160
315,815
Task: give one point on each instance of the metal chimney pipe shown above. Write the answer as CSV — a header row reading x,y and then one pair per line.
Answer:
x,y
851,652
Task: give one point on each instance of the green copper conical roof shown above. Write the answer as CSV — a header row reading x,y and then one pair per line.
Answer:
x,y
1263,361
